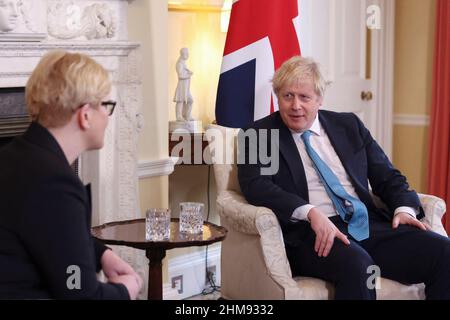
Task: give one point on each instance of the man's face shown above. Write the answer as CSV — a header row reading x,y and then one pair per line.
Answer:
x,y
299,104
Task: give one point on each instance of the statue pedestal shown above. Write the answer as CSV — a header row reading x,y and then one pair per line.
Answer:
x,y
194,126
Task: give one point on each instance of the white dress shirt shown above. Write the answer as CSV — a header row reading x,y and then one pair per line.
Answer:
x,y
318,197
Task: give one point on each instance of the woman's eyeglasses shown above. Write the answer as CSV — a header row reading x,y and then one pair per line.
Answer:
x,y
109,105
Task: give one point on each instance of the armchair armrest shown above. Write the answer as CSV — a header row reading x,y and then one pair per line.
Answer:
x,y
434,209
260,221
242,216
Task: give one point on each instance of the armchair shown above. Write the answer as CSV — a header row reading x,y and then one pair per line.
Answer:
x,y
254,264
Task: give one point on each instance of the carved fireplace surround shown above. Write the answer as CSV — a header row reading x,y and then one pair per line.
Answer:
x,y
64,24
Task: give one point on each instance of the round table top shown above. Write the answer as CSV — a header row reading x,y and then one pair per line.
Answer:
x,y
132,233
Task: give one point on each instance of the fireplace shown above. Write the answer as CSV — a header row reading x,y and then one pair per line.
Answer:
x,y
111,171
14,119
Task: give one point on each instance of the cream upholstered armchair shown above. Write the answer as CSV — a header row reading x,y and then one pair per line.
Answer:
x,y
254,264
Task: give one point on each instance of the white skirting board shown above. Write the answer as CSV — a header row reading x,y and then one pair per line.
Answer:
x,y
187,272
170,293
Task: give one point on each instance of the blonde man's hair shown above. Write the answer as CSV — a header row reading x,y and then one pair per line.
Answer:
x,y
299,69
61,83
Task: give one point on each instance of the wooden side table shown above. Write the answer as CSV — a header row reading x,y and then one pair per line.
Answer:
x,y
131,233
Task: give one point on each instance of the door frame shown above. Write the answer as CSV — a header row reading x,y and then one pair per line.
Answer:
x,y
383,55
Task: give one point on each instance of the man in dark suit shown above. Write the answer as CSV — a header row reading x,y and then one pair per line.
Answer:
x,y
46,248
320,194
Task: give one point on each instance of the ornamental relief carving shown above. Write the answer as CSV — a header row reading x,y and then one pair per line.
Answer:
x,y
37,20
16,15
68,20
22,20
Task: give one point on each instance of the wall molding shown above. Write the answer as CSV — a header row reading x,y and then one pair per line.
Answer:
x,y
156,168
383,71
170,293
97,48
419,120
190,269
187,259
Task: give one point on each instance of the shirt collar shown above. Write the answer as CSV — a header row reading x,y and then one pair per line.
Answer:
x,y
315,129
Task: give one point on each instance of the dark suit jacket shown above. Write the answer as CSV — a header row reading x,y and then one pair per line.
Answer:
x,y
361,156
45,216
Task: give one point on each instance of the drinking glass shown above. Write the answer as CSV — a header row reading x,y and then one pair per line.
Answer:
x,y
157,224
191,217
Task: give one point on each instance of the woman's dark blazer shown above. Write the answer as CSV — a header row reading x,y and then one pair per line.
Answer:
x,y
46,248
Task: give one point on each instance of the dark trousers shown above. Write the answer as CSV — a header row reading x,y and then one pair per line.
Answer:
x,y
407,255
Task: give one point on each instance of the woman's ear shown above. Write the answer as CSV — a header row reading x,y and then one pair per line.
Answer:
x,y
84,117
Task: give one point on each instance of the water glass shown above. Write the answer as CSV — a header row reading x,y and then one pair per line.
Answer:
x,y
191,217
157,224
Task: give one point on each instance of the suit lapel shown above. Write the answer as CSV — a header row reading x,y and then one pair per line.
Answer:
x,y
344,146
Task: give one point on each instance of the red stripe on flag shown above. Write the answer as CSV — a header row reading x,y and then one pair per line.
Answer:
x,y
253,20
272,108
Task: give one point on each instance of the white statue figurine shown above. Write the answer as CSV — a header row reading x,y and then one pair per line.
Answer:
x,y
183,97
9,14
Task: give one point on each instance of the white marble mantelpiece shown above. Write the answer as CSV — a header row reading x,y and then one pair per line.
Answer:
x,y
112,170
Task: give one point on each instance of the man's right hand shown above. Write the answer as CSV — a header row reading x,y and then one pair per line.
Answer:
x,y
325,232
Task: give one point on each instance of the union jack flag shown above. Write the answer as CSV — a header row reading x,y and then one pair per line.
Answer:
x,y
262,34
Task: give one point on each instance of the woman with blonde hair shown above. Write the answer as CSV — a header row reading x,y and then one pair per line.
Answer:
x,y
46,249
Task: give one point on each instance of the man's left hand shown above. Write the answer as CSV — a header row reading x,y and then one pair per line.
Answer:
x,y
405,218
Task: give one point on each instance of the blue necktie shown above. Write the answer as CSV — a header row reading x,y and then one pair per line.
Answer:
x,y
351,210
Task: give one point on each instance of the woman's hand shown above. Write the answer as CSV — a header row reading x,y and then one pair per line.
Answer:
x,y
117,270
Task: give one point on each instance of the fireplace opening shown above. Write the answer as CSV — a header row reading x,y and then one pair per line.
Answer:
x,y
4,141
14,118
